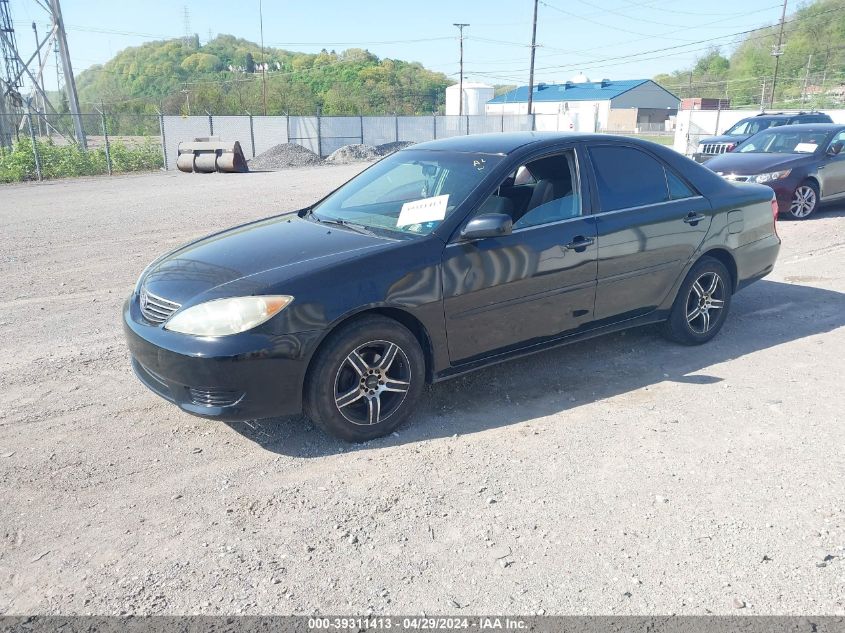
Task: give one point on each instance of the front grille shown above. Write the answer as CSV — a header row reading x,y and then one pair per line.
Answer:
x,y
156,309
715,148
211,397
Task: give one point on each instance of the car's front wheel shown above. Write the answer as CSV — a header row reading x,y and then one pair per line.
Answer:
x,y
702,304
805,199
365,379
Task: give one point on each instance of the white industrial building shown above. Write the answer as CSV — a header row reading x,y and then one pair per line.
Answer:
x,y
586,106
475,97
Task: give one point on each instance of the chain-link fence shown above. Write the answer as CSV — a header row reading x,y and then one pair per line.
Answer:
x,y
46,146
325,134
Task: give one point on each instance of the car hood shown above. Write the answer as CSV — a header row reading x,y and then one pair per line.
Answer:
x,y
750,163
724,138
222,264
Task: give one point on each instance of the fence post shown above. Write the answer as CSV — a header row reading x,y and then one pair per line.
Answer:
x,y
502,122
251,133
210,123
106,139
396,126
361,125
533,122
34,144
163,140
287,127
434,123
467,117
319,133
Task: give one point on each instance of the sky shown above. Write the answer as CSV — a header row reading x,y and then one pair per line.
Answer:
x,y
614,39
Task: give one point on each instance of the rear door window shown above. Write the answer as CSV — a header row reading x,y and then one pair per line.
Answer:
x,y
678,189
627,177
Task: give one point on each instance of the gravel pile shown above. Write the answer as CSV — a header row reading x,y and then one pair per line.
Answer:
x,y
352,154
388,148
285,155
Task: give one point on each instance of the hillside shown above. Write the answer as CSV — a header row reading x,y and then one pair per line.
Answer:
x,y
814,33
224,76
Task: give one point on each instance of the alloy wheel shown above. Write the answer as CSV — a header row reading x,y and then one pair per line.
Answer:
x,y
803,201
372,382
706,298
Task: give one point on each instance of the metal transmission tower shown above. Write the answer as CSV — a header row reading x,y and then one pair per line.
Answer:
x,y
18,73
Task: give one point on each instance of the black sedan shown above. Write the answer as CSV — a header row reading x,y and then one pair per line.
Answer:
x,y
804,164
440,259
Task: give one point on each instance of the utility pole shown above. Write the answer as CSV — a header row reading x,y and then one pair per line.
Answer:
x,y
461,81
263,58
70,82
187,99
763,97
531,69
806,80
777,51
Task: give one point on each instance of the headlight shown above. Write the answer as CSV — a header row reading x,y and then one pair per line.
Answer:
x,y
222,317
770,176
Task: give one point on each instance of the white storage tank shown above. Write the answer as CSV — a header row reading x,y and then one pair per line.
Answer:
x,y
475,96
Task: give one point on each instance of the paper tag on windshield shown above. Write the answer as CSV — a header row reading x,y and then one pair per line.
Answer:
x,y
805,148
425,210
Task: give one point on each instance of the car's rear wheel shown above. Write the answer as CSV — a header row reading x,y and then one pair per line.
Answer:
x,y
702,304
365,379
805,200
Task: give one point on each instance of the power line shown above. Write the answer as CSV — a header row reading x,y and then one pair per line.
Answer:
x,y
676,47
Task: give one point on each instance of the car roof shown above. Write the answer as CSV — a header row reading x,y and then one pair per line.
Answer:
x,y
781,115
507,142
807,127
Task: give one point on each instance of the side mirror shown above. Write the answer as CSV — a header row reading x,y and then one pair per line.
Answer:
x,y
835,148
487,225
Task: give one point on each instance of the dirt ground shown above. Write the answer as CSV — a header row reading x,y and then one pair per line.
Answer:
x,y
624,475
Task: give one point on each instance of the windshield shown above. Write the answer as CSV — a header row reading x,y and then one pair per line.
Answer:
x,y
752,126
411,191
783,142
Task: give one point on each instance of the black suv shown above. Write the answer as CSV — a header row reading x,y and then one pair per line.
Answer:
x,y
715,145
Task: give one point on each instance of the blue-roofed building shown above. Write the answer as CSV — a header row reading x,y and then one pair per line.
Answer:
x,y
588,106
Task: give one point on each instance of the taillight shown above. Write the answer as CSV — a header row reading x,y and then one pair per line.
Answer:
x,y
775,215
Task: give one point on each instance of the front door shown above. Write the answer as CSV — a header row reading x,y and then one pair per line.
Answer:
x,y
649,223
832,171
534,284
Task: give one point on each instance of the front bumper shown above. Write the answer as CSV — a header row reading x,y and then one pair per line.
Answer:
x,y
784,190
240,377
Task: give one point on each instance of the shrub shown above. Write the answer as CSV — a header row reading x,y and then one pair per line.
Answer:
x,y
66,161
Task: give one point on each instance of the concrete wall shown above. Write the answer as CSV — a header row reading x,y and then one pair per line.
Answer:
x,y
623,120
580,116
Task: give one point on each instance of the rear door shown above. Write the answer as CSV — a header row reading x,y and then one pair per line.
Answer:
x,y
649,223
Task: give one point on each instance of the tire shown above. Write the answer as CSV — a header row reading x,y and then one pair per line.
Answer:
x,y
365,379
706,290
805,200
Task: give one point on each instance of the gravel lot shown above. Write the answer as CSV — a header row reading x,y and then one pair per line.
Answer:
x,y
623,475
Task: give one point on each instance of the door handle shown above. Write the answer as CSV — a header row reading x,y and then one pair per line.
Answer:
x,y
579,243
694,218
